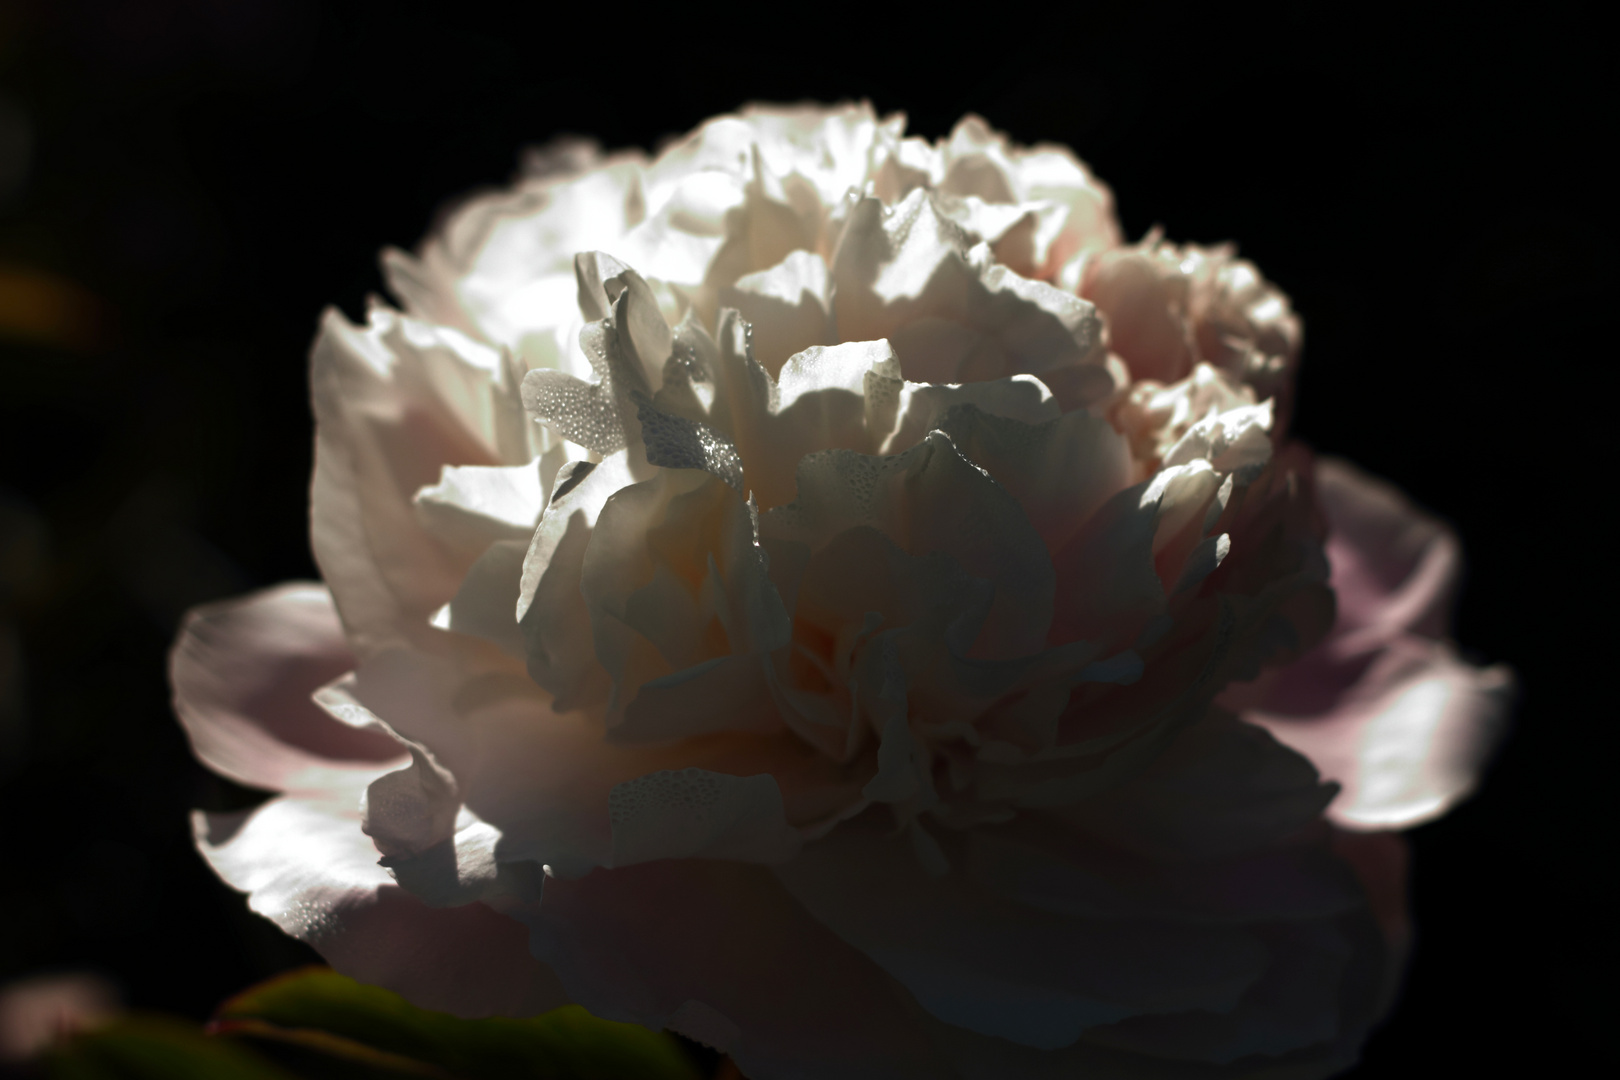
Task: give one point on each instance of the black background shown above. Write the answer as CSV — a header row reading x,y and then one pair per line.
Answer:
x,y
203,177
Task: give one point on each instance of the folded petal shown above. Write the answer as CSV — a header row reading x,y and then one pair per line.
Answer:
x,y
1221,788
501,267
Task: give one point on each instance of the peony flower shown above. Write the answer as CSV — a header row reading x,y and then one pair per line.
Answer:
x,y
822,592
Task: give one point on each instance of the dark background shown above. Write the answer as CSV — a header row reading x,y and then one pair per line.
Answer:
x,y
184,184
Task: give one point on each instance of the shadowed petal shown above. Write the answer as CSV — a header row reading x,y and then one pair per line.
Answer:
x,y
727,957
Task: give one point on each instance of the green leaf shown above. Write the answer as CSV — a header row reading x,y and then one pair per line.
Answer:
x,y
316,1012
320,1055
138,1047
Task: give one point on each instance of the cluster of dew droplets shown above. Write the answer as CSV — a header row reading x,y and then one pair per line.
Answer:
x,y
658,794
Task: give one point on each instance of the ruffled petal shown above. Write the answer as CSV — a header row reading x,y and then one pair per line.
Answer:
x,y
953,314
787,306
396,402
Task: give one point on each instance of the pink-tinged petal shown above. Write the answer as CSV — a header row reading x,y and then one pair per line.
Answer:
x,y
308,868
1146,312
721,953
243,671
501,267
1407,736
1384,706
1395,568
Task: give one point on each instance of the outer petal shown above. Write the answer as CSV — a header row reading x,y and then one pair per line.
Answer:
x,y
1383,706
1395,568
1406,740
243,671
308,868
725,956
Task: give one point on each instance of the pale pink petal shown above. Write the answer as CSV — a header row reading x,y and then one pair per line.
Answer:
x,y
1395,568
307,867
243,671
1146,312
502,266
1384,706
720,952
1406,739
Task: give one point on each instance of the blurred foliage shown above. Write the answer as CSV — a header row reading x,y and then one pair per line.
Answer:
x,y
316,1024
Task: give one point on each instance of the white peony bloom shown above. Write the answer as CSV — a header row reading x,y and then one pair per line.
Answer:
x,y
819,591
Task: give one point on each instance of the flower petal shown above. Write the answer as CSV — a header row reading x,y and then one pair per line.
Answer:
x,y
997,968
1383,706
243,671
308,868
1408,738
725,945
1222,787
473,506
395,402
1395,568
930,499
786,305
953,314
